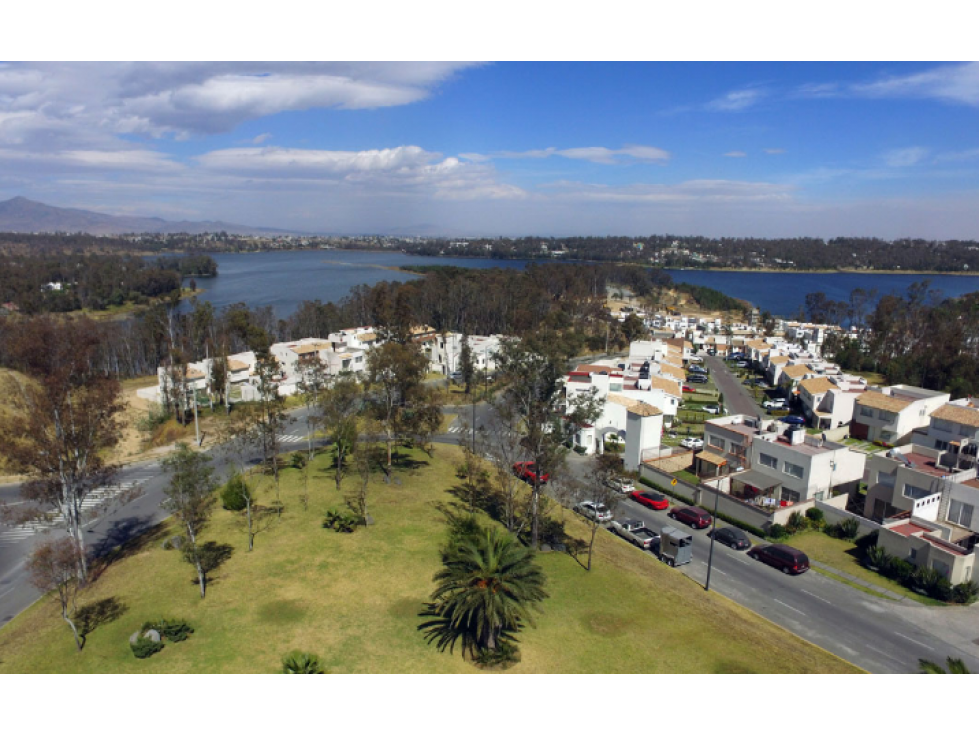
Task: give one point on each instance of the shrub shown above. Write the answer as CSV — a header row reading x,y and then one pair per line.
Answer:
x,y
900,570
332,516
815,516
848,528
579,449
346,523
302,663
796,523
234,496
297,460
925,579
867,541
877,558
965,593
144,647
505,654
777,531
173,630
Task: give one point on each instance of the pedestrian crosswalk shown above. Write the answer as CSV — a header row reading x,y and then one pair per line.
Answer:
x,y
13,535
292,438
457,428
100,496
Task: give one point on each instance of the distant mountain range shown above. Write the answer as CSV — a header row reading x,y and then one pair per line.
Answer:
x,y
24,215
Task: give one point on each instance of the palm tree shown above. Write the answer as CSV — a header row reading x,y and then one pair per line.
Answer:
x,y
487,589
301,663
955,665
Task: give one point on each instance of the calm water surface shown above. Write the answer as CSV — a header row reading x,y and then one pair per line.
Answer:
x,y
283,279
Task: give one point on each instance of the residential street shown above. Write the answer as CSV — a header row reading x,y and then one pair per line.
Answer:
x,y
737,399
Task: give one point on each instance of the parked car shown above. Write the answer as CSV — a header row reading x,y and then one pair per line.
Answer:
x,y
740,363
635,531
699,379
783,557
712,409
698,370
776,403
692,443
734,357
731,537
593,511
695,359
624,485
695,517
652,500
527,471
712,352
687,388
793,420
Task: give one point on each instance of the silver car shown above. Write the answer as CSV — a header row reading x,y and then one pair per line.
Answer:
x,y
593,511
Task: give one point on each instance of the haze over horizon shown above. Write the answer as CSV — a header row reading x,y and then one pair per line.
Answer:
x,y
718,149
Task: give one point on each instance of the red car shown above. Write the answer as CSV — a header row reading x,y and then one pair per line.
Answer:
x,y
695,517
687,388
650,499
527,471
783,557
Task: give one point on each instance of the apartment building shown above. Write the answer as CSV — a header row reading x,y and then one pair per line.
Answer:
x,y
444,351
828,402
890,414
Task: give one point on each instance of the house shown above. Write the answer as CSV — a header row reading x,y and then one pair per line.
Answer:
x,y
828,402
615,421
888,415
790,376
769,465
929,545
444,351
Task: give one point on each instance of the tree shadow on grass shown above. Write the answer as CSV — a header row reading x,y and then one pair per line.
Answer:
x,y
213,555
92,616
124,539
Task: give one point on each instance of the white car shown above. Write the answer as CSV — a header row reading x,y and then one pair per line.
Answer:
x,y
712,409
695,359
593,511
624,485
692,443
776,403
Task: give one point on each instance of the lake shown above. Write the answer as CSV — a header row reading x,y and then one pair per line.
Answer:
x,y
283,279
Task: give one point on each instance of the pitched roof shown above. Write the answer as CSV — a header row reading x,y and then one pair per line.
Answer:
x,y
667,386
796,370
818,385
634,406
234,365
308,348
781,359
958,414
711,458
758,344
875,399
668,369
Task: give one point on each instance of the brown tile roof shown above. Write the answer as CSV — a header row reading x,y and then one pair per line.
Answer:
x,y
796,370
875,399
958,414
192,374
308,348
818,385
712,458
668,386
369,337
644,409
672,370
758,344
234,365
782,359
595,368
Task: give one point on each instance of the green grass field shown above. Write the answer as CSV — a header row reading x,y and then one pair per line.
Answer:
x,y
354,600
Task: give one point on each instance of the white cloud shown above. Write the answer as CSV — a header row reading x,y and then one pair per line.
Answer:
x,y
593,154
263,138
775,151
696,190
736,101
952,83
902,157
136,160
735,154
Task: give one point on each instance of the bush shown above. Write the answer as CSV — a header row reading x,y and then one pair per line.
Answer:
x,y
898,569
777,531
234,496
925,579
297,460
340,521
965,593
332,516
796,523
877,557
505,654
815,516
144,647
302,663
173,630
867,541
847,529
579,449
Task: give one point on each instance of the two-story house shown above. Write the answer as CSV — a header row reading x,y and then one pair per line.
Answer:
x,y
888,415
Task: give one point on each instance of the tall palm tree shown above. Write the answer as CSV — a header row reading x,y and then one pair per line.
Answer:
x,y
487,589
955,665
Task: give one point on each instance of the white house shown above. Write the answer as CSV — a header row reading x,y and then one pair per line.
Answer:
x,y
890,414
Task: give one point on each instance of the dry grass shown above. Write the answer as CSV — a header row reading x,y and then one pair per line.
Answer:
x,y
354,600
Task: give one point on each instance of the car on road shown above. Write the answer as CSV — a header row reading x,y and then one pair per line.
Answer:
x,y
776,403
687,388
527,471
732,537
652,500
692,443
624,485
593,511
635,531
696,517
697,370
699,379
695,360
793,420
783,557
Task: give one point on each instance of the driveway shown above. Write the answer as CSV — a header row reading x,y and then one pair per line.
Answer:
x,y
737,399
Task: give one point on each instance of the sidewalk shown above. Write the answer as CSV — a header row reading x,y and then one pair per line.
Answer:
x,y
861,582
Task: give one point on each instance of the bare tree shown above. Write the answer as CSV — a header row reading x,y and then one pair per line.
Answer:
x,y
602,491
53,566
190,497
503,448
340,405
61,420
312,382
270,418
368,458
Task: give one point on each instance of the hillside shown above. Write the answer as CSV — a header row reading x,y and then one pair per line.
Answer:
x,y
24,215
355,599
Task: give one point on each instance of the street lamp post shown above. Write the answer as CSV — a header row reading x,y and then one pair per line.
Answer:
x,y
713,534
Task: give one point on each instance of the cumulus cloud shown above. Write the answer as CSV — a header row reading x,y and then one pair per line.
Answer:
x,y
735,154
593,154
902,157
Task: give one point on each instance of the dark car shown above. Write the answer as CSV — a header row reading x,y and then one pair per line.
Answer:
x,y
653,500
700,379
793,420
695,517
782,557
731,537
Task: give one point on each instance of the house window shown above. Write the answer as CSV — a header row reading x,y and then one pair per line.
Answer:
x,y
915,493
717,442
941,445
960,513
794,470
614,387
966,430
770,461
888,480
789,495
912,554
867,412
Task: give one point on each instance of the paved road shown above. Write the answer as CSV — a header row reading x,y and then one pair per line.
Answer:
x,y
737,399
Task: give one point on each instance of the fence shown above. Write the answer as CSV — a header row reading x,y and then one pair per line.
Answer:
x,y
833,513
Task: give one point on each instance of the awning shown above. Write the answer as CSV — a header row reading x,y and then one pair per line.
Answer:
x,y
712,458
755,479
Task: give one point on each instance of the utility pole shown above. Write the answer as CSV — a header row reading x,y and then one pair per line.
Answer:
x,y
197,427
713,534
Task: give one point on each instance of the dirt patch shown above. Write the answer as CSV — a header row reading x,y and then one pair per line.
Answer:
x,y
281,611
607,624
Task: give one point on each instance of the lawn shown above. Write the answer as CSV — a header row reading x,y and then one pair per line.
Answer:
x,y
354,600
845,556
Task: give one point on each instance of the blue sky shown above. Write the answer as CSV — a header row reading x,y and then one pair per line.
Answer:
x,y
767,149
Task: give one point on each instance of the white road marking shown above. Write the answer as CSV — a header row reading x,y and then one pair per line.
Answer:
x,y
916,642
815,595
716,570
792,608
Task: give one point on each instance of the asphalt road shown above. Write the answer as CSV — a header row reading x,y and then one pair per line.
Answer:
x,y
737,399
870,632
